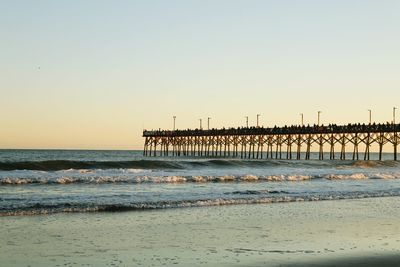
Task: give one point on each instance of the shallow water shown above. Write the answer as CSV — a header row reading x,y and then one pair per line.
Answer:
x,y
308,233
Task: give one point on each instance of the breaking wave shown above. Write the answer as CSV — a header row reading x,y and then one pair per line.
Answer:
x,y
56,165
37,209
191,179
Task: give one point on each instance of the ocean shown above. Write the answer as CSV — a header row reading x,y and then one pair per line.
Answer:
x,y
118,208
61,181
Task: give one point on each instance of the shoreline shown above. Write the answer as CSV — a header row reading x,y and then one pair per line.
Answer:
x,y
190,205
284,234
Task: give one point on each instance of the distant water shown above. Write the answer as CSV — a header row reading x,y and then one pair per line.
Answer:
x,y
49,181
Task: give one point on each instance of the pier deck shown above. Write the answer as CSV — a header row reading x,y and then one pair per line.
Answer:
x,y
276,142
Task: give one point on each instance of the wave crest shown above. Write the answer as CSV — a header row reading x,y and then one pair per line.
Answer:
x,y
37,209
192,179
144,164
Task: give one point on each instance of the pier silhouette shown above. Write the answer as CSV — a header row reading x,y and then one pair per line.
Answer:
x,y
288,142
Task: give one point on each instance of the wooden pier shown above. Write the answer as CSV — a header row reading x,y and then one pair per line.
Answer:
x,y
289,142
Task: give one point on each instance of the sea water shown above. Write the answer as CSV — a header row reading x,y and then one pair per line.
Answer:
x,y
53,181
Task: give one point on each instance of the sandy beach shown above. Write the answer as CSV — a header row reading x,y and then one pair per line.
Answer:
x,y
363,232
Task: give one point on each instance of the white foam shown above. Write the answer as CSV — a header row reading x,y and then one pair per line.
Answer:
x,y
199,179
141,179
171,179
275,178
385,176
135,170
14,178
355,176
107,179
86,171
249,178
9,180
226,178
298,177
65,180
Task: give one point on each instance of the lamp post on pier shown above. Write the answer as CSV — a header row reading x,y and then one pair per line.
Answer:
x,y
247,121
174,121
208,123
302,119
319,116
258,116
201,126
394,115
370,116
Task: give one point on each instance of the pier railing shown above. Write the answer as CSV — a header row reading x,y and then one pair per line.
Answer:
x,y
256,142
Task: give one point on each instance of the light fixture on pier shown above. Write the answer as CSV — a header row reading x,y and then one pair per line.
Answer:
x,y
174,121
247,121
394,115
370,116
302,119
201,125
208,123
319,116
258,116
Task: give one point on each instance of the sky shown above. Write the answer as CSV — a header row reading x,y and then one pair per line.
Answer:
x,y
93,74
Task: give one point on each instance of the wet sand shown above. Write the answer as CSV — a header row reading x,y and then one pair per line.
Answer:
x,y
363,232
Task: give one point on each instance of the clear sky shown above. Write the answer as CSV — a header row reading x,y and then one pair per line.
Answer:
x,y
92,74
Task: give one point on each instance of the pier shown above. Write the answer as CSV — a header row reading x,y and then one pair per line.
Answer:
x,y
288,142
